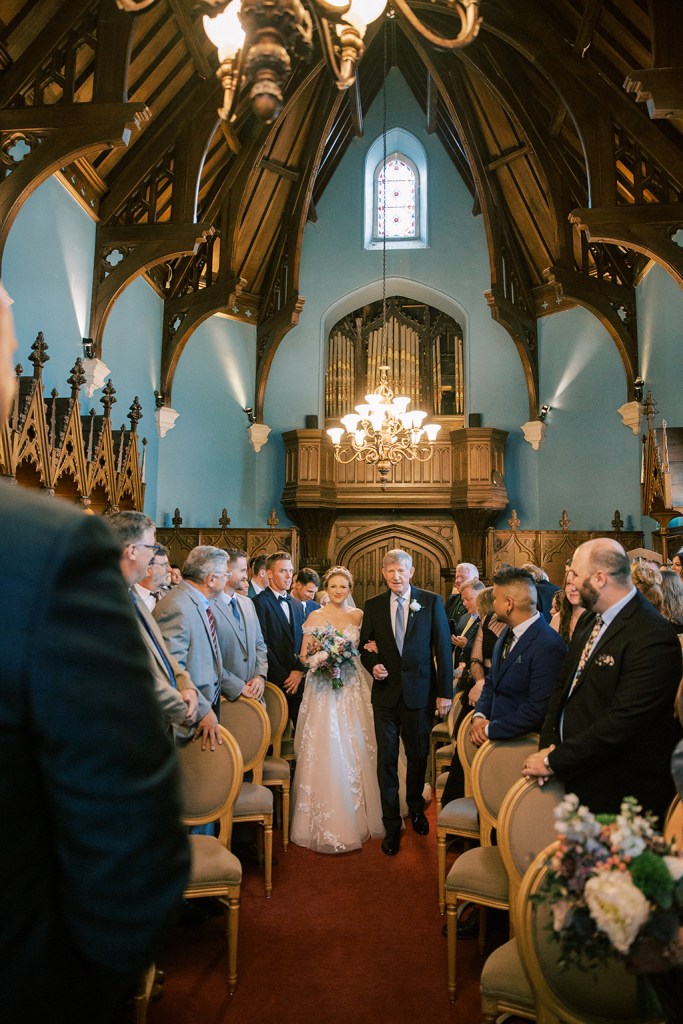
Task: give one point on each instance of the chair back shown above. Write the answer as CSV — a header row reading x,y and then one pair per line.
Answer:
x,y
210,781
278,715
496,767
465,749
602,996
673,823
526,825
247,721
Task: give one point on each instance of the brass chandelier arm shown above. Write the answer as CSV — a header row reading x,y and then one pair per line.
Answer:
x,y
468,12
342,53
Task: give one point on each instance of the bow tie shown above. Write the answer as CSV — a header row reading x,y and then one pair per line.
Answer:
x,y
283,600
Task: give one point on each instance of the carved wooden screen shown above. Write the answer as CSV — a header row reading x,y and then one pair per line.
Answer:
x,y
422,347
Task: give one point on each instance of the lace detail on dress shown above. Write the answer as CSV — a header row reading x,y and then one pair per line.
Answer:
x,y
335,794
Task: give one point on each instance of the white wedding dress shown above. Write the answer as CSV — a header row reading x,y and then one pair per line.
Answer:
x,y
335,796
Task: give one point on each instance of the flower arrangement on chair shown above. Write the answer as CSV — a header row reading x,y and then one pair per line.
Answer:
x,y
615,889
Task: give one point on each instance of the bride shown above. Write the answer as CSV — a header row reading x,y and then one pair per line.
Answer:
x,y
335,794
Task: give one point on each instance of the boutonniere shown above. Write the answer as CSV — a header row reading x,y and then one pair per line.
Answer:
x,y
605,660
415,607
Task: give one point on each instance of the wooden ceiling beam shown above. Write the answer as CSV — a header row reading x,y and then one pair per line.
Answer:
x,y
356,108
432,104
506,158
277,168
187,27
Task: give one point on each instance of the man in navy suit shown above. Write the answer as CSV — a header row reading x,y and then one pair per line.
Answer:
x,y
526,662
304,588
407,631
281,620
609,730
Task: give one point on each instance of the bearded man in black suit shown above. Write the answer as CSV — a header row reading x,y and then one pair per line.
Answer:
x,y
609,731
404,631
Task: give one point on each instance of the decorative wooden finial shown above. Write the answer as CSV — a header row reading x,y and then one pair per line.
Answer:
x,y
272,519
77,378
565,521
617,522
39,354
177,520
107,398
224,521
514,521
135,414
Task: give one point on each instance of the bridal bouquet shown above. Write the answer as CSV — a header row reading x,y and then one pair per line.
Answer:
x,y
329,652
615,890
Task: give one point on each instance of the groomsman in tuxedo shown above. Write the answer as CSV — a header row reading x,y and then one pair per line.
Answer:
x,y
281,620
411,665
259,577
243,649
610,731
304,588
93,855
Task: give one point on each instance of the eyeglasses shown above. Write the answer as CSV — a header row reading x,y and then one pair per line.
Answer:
x,y
150,546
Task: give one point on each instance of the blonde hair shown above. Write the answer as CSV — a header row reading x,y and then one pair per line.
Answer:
x,y
648,581
338,570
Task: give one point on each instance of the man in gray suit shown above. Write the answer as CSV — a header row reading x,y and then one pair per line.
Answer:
x,y
186,619
241,643
180,703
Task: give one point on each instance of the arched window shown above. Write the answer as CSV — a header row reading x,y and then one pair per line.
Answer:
x,y
396,208
396,192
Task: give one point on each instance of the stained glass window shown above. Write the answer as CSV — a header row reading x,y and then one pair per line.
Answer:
x,y
396,192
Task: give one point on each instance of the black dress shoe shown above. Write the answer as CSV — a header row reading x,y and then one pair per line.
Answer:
x,y
420,823
391,844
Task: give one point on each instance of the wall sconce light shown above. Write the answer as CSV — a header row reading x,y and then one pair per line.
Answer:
x,y
88,348
638,389
545,409
250,414
96,372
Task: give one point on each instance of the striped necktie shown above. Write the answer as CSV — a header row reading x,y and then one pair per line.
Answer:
x,y
399,626
212,628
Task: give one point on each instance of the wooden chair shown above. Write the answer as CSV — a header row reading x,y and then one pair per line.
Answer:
x,y
210,782
445,753
673,823
276,770
440,735
602,996
478,875
247,721
459,817
526,825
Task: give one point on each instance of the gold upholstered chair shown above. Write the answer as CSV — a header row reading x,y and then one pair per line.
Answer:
x,y
444,754
210,782
673,823
573,996
526,825
276,770
478,875
459,817
247,721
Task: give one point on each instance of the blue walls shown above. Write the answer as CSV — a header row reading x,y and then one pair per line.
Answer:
x,y
588,464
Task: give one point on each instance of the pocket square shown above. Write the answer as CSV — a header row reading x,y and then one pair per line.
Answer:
x,y
604,660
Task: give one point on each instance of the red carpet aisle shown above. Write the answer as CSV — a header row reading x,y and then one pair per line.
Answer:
x,y
347,938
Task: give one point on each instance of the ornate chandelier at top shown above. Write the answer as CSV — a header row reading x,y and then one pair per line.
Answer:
x,y
382,431
257,40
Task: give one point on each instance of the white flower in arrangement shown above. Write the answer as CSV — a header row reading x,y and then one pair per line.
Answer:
x,y
632,830
415,606
617,906
675,866
575,822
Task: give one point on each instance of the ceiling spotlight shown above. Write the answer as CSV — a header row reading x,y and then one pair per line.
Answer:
x,y
638,389
545,409
250,414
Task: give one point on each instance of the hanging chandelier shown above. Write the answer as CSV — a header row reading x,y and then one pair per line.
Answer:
x,y
258,40
383,431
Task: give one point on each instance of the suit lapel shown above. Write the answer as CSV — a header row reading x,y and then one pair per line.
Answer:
x,y
226,612
198,601
519,648
411,615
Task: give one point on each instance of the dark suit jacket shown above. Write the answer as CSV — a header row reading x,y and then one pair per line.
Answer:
x,y
93,856
545,591
454,607
311,606
413,674
516,692
283,642
619,730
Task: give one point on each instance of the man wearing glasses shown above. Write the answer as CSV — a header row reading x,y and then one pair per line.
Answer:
x,y
155,584
185,617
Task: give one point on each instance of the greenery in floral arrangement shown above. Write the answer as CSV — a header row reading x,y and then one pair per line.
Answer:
x,y
613,886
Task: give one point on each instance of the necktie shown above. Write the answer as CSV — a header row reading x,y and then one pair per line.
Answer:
x,y
212,628
468,624
507,643
586,652
399,626
162,654
235,611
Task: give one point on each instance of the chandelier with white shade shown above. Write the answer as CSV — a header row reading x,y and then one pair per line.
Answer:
x,y
383,431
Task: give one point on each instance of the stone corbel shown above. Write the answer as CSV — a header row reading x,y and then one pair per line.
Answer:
x,y
258,435
96,372
631,414
534,433
165,418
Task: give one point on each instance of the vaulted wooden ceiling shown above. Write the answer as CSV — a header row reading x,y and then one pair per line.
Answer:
x,y
563,118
